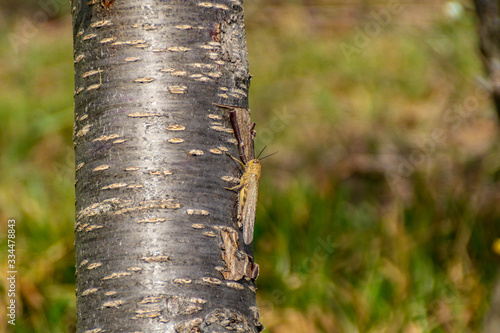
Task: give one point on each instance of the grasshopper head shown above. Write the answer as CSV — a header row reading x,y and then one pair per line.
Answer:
x,y
253,166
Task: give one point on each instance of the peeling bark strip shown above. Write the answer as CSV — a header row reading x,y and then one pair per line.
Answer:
x,y
243,130
239,265
151,169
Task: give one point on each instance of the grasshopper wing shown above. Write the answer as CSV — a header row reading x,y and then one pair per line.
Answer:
x,y
249,208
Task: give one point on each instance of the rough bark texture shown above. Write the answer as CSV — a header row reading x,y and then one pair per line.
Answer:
x,y
489,36
158,247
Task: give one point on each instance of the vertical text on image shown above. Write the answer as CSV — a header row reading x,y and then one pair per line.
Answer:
x,y
11,271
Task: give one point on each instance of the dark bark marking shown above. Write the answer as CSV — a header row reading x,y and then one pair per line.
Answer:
x,y
106,4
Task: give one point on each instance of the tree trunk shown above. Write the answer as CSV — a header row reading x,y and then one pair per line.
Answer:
x,y
158,247
489,36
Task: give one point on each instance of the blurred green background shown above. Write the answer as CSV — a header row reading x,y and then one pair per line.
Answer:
x,y
378,214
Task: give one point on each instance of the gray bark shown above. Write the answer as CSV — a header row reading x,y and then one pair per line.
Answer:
x,y
157,243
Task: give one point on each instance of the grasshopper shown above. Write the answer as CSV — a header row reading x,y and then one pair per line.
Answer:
x,y
247,196
249,184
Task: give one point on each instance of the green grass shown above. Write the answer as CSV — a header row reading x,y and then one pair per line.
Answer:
x,y
36,186
367,221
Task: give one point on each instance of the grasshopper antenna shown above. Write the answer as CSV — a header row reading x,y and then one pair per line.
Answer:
x,y
261,152
264,156
269,155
